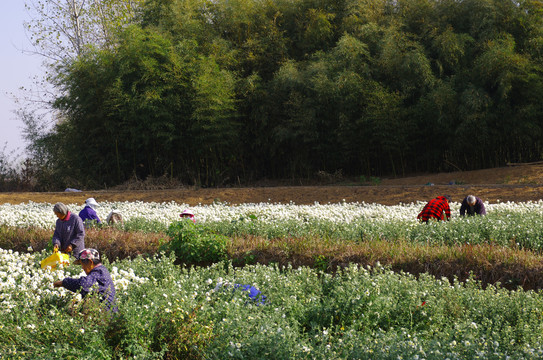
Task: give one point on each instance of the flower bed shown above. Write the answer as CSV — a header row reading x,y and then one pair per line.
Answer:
x,y
358,313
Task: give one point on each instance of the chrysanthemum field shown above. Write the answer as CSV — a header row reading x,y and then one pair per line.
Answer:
x,y
170,311
507,224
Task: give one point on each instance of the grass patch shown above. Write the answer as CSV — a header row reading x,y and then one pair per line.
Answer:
x,y
113,242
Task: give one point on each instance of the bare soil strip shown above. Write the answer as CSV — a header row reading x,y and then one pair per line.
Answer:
x,y
511,183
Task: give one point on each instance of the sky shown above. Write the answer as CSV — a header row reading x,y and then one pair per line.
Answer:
x,y
16,70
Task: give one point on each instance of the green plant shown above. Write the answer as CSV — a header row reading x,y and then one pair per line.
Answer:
x,y
375,180
247,259
195,243
182,335
355,313
144,225
321,262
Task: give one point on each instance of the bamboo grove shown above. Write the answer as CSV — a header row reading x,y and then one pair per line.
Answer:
x,y
228,91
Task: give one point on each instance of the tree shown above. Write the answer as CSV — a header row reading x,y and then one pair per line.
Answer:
x,y
403,64
213,92
61,30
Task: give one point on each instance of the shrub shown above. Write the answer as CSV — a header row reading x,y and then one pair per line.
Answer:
x,y
182,336
195,243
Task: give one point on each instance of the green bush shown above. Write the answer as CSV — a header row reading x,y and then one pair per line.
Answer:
x,y
144,225
182,336
195,243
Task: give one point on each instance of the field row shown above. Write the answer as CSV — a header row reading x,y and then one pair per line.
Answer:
x,y
514,225
359,313
41,214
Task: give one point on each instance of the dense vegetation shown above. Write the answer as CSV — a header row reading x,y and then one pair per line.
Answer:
x,y
168,312
216,92
478,304
502,247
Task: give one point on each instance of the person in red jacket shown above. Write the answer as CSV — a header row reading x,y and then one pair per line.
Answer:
x,y
437,209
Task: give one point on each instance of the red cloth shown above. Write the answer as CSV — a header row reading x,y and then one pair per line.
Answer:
x,y
67,217
435,209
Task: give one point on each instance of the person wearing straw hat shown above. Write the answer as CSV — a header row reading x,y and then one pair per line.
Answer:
x,y
88,215
69,235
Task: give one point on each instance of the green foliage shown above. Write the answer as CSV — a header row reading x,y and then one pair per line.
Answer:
x,y
502,229
195,243
180,334
321,263
375,180
221,92
144,225
357,313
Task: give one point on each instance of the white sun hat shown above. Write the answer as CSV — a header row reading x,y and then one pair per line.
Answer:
x,y
91,202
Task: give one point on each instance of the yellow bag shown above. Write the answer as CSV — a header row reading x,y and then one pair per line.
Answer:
x,y
54,260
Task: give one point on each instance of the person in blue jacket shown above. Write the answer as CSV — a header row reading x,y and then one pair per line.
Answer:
x,y
69,235
88,215
97,279
254,294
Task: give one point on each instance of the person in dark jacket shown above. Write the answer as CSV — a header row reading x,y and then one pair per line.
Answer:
x,y
88,215
473,206
69,235
97,279
437,209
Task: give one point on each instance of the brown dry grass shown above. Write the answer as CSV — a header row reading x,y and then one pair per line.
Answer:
x,y
489,264
112,242
513,183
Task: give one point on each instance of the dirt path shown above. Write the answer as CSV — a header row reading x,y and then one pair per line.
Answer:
x,y
518,183
387,195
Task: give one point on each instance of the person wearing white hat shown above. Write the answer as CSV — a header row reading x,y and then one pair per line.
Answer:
x,y
88,214
188,214
114,217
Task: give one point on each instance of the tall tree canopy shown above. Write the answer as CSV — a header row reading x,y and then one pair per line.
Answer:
x,y
216,92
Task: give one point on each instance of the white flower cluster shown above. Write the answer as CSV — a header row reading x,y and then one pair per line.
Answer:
x,y
41,214
123,279
21,277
